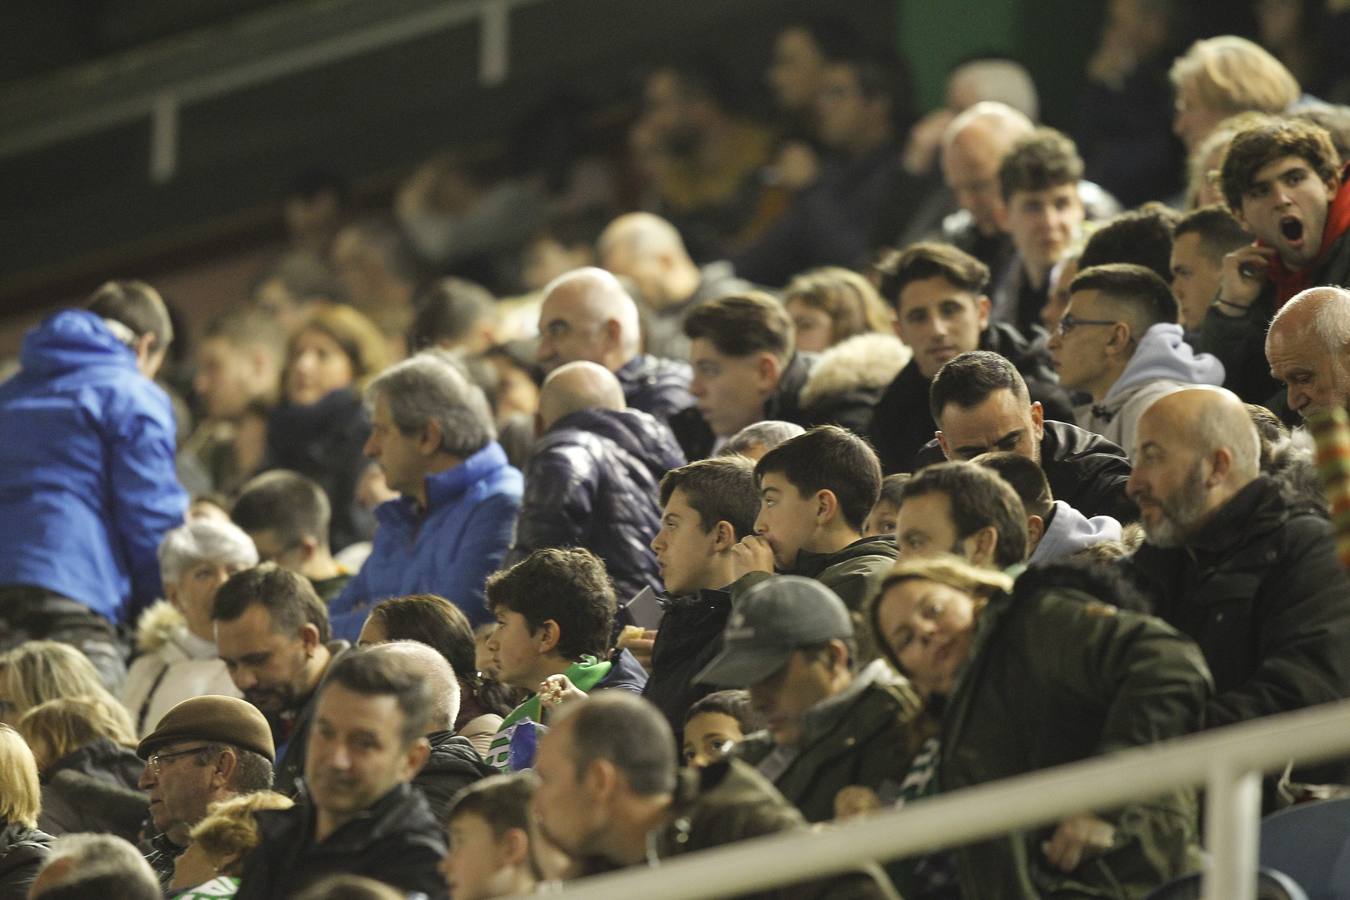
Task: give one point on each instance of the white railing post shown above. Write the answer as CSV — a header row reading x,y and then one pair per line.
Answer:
x,y
1232,831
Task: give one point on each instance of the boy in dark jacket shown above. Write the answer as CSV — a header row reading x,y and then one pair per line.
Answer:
x,y
816,491
707,507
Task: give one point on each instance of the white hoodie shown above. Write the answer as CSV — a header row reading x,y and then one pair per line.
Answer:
x,y
1162,363
1071,531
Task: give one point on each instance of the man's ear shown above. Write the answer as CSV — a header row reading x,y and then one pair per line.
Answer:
x,y
309,636
942,442
416,757
768,370
1121,336
981,546
724,536
429,441
1221,463
827,507
1038,420
613,331
227,763
983,308
308,547
600,779
1035,531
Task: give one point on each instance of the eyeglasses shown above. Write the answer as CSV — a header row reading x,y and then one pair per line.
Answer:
x,y
156,760
1068,323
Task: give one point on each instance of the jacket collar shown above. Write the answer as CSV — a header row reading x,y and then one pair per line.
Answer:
x,y
397,811
444,488
1255,509
810,565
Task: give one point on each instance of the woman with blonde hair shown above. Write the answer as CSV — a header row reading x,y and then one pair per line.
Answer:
x,y
831,304
1037,675
23,848
321,427
214,860
39,671
1222,76
88,767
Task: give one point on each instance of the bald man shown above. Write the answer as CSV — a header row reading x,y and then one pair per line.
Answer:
x,y
1307,347
649,252
588,316
1233,562
593,476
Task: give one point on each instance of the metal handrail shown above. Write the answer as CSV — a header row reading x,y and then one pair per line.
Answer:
x,y
1228,761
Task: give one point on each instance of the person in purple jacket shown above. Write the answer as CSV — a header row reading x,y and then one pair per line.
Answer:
x,y
87,481
432,434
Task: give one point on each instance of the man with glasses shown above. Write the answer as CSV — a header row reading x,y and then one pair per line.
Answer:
x,y
981,404
1120,342
204,750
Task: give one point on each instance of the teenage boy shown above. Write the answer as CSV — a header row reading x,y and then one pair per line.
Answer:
x,y
555,614
707,507
815,493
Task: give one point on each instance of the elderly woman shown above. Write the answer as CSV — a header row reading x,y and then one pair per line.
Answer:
x,y
22,847
1035,677
178,648
212,863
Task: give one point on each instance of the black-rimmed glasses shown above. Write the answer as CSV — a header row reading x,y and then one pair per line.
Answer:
x,y
1069,322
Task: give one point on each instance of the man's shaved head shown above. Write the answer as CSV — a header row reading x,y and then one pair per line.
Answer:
x,y
642,233
972,149
649,252
587,315
577,386
1194,450
1307,348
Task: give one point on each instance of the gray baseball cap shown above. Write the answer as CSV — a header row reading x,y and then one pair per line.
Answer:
x,y
774,618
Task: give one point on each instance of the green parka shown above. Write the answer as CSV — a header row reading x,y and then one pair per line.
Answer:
x,y
1057,676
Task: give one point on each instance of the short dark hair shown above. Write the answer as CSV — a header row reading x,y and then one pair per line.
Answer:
x,y
743,324
1024,476
1147,296
969,379
136,305
1219,231
1042,160
978,499
1142,236
930,259
503,801
1254,149
448,309
829,458
570,587
735,704
368,670
433,621
629,732
721,489
293,506
891,486
289,598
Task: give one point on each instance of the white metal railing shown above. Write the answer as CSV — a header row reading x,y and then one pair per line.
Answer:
x,y
1227,761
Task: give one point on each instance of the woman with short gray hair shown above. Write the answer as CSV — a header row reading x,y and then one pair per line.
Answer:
x,y
174,635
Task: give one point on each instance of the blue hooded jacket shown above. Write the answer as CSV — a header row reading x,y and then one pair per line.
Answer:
x,y
87,481
449,551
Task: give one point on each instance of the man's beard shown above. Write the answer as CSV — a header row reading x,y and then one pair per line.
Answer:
x,y
1180,516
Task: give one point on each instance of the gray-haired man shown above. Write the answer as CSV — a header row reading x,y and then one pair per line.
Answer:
x,y
432,434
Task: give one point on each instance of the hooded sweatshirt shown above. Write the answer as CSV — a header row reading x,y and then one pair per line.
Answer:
x,y
1162,363
174,665
1070,531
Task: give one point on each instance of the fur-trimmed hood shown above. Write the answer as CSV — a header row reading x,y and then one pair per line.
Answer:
x,y
160,623
863,362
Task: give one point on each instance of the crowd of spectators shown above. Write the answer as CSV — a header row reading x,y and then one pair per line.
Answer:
x,y
518,537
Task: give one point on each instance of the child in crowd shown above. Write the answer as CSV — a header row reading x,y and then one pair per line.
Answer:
x,y
489,837
881,520
715,724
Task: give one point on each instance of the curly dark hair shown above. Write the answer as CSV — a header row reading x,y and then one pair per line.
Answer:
x,y
568,586
1256,148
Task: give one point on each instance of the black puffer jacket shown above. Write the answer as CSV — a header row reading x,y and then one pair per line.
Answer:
x,y
1084,469
94,789
592,482
453,764
902,423
656,386
22,852
324,441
